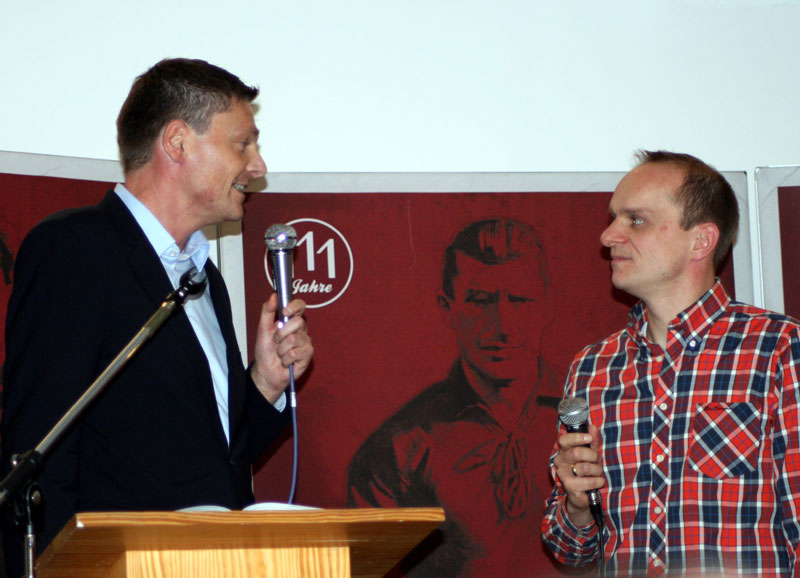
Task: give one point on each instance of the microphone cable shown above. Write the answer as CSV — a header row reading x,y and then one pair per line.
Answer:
x,y
601,562
295,451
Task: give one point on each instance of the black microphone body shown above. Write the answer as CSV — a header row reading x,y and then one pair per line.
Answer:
x,y
281,241
574,414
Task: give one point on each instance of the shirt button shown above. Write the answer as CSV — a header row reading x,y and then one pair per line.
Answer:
x,y
693,343
656,563
657,510
663,406
660,458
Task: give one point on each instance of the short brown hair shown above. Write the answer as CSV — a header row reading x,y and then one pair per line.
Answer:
x,y
494,241
178,88
704,197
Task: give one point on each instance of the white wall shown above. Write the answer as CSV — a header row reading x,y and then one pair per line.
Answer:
x,y
427,85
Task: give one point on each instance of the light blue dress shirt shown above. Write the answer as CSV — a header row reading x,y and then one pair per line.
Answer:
x,y
200,310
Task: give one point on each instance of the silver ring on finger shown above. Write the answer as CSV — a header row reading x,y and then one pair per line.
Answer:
x,y
574,473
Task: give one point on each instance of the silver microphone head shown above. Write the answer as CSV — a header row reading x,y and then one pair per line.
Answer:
x,y
280,237
573,411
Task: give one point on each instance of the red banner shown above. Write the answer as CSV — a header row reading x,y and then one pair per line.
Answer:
x,y
789,210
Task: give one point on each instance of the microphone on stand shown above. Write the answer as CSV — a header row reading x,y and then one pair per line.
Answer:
x,y
281,241
192,284
574,414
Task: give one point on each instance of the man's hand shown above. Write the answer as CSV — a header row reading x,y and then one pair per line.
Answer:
x,y
280,345
578,467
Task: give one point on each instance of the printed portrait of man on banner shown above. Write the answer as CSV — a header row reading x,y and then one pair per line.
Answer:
x,y
465,443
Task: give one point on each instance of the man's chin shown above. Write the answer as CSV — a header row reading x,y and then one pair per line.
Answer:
x,y
236,213
507,372
619,282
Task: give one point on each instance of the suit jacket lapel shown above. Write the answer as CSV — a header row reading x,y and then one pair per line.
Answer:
x,y
222,307
148,270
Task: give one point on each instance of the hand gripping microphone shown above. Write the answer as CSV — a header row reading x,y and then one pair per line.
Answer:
x,y
574,414
281,240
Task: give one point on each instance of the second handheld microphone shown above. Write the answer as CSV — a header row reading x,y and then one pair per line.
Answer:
x,y
574,414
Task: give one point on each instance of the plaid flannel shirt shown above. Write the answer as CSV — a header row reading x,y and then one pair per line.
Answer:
x,y
700,445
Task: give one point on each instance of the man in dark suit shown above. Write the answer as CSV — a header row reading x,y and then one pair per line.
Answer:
x,y
183,422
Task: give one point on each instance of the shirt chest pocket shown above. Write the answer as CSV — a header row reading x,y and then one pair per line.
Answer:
x,y
725,439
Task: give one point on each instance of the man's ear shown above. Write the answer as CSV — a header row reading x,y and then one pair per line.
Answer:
x,y
446,310
705,240
173,140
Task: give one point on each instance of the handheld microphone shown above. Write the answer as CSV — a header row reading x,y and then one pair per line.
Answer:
x,y
281,240
574,414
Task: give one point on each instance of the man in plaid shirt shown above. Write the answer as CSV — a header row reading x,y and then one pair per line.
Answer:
x,y
694,407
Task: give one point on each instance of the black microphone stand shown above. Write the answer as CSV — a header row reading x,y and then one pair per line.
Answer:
x,y
18,483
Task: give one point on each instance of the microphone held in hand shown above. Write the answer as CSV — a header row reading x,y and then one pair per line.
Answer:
x,y
281,241
574,414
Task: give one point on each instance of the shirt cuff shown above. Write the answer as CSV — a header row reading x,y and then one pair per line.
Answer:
x,y
572,530
280,403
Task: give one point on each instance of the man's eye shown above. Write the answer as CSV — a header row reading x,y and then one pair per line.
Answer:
x,y
481,299
637,221
520,299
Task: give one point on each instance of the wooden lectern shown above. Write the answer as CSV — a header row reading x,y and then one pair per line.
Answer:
x,y
281,544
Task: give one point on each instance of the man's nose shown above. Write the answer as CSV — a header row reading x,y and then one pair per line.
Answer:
x,y
257,166
611,235
504,317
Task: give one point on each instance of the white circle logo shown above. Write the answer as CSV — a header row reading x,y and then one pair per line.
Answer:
x,y
323,263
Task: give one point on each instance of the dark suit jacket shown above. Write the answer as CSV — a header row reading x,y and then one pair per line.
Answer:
x,y
86,280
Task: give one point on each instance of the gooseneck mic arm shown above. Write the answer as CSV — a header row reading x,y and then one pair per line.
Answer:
x,y
27,465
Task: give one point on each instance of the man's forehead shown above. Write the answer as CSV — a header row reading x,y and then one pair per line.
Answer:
x,y
647,183
522,272
237,118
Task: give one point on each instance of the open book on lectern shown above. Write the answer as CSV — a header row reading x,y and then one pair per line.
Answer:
x,y
257,507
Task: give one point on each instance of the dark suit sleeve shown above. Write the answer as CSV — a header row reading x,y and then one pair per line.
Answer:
x,y
264,421
53,335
